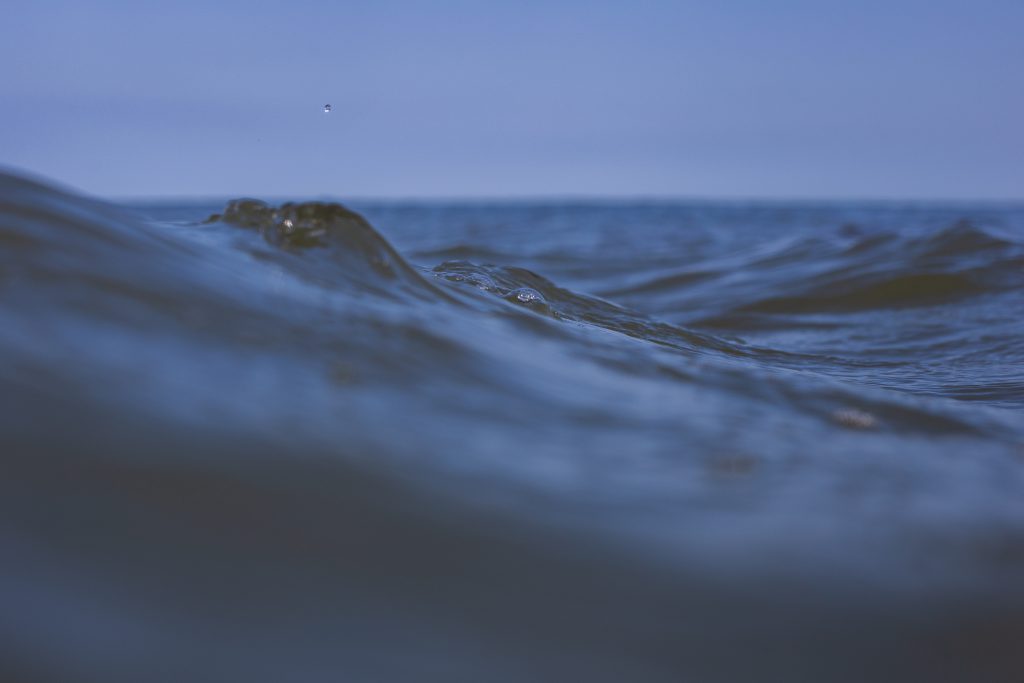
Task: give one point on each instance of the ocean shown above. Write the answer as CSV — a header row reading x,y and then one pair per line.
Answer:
x,y
559,440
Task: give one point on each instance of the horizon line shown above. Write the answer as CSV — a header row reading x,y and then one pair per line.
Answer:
x,y
564,198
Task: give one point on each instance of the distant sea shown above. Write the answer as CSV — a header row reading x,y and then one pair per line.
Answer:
x,y
510,441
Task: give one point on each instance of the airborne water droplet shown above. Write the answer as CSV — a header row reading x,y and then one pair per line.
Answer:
x,y
327,109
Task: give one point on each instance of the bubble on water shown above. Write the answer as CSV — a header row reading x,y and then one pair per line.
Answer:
x,y
327,109
525,295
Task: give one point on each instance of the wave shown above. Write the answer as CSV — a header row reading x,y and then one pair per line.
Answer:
x,y
885,271
273,431
353,249
922,289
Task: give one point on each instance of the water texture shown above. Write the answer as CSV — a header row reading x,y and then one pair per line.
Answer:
x,y
530,441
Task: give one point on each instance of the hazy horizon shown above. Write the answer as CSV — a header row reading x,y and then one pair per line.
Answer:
x,y
553,198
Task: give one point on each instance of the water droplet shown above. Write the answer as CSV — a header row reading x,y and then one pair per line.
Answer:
x,y
327,109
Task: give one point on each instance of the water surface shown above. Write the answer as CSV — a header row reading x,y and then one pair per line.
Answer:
x,y
510,441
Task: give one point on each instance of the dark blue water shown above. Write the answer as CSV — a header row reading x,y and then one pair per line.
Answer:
x,y
650,441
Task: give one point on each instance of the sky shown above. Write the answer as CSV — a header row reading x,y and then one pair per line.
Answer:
x,y
735,98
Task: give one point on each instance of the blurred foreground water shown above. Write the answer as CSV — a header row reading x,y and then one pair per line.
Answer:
x,y
600,441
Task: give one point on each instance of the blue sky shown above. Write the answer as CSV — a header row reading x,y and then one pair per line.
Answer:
x,y
788,99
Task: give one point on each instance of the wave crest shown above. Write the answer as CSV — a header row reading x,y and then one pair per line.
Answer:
x,y
353,249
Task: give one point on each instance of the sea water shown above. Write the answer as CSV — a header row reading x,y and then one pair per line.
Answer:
x,y
510,441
